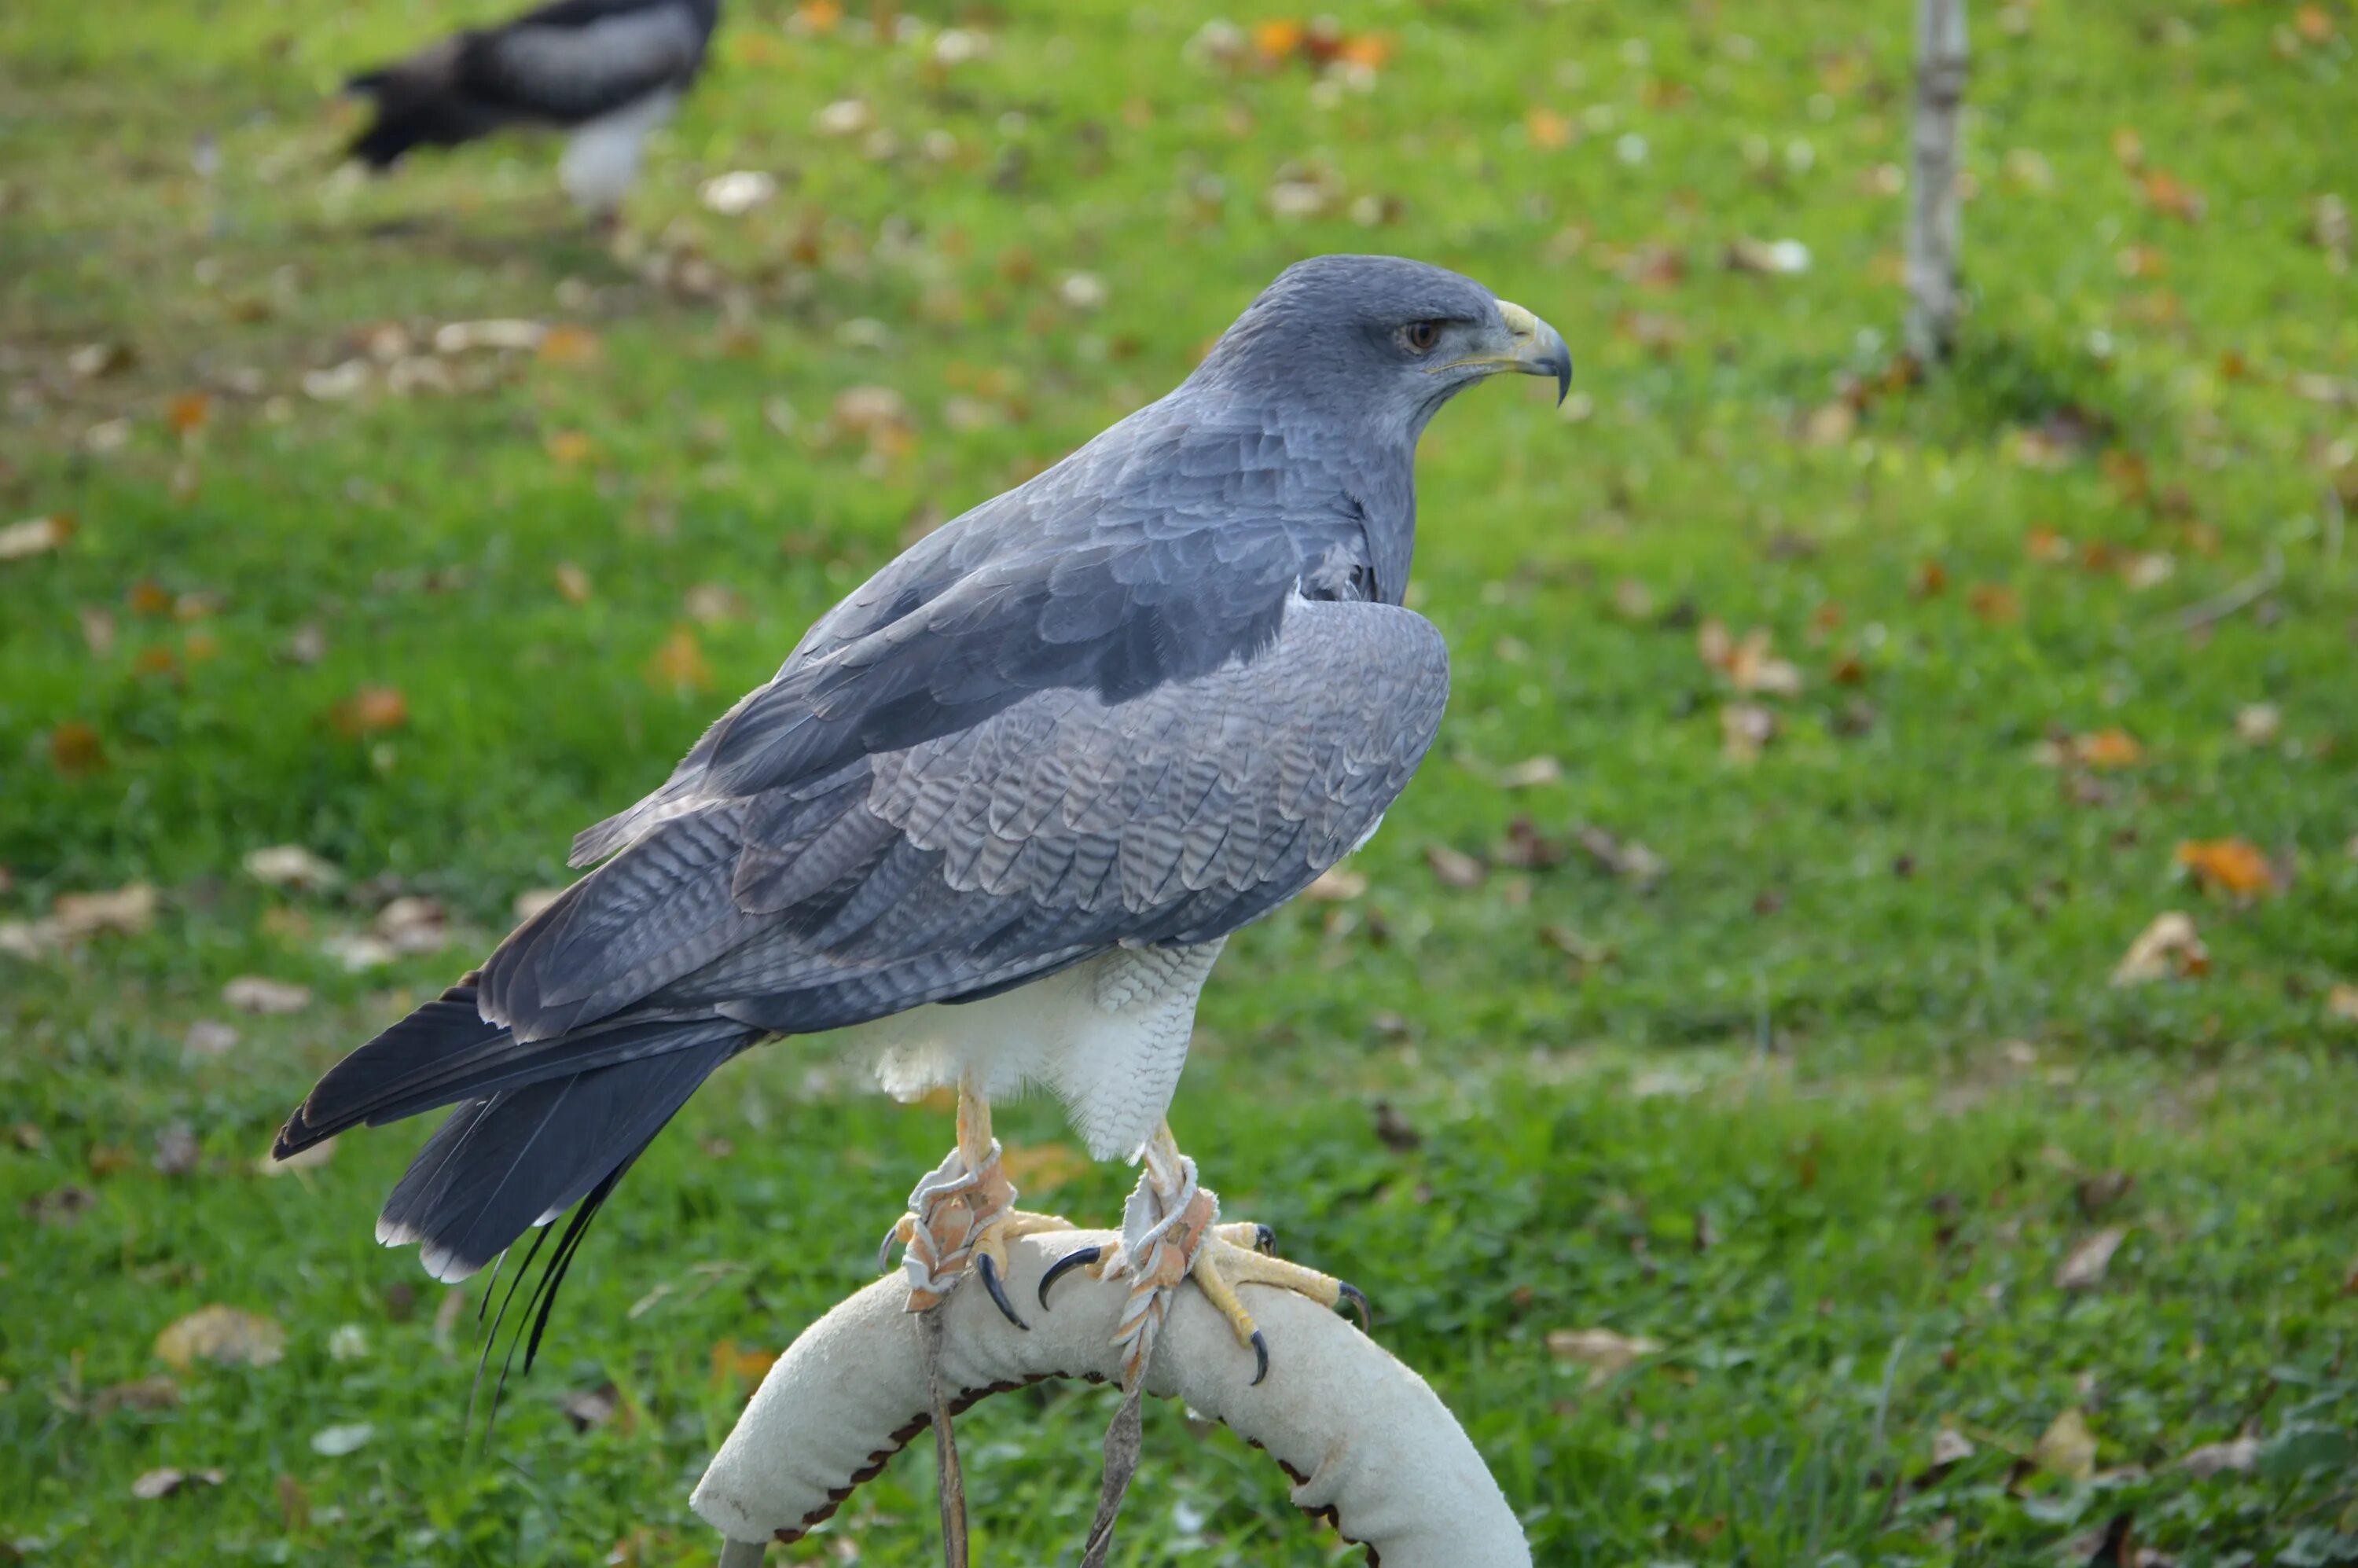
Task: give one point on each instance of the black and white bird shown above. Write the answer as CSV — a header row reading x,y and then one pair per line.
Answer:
x,y
606,71
999,812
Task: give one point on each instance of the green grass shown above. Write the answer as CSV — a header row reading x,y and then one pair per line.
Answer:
x,y
1822,1111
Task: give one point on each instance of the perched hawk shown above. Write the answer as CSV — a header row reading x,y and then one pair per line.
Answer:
x,y
999,810
609,72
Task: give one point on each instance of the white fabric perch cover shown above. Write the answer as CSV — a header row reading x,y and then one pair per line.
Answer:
x,y
1368,1443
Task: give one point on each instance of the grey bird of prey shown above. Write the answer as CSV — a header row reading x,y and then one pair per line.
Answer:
x,y
607,72
999,810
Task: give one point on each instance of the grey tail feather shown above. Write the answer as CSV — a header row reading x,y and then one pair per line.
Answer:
x,y
521,1156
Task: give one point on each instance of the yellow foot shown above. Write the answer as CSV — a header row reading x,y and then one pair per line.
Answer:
x,y
1171,1234
961,1217
1237,1255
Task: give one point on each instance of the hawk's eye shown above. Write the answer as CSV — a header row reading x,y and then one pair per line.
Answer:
x,y
1420,336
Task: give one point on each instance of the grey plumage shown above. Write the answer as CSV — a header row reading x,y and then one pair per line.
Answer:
x,y
1135,703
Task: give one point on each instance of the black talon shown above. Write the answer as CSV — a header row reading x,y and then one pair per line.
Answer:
x,y
1079,1258
990,1272
1260,1357
1350,1292
1265,1241
884,1248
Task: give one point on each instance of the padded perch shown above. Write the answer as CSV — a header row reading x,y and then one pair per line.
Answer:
x,y
1370,1445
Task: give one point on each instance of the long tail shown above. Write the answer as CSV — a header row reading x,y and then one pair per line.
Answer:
x,y
540,1125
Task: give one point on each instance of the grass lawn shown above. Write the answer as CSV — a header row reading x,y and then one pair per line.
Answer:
x,y
1738,976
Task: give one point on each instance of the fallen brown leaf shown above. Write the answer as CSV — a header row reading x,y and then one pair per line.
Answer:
x,y
257,993
2083,1268
1624,858
2168,947
291,866
34,535
1602,1350
156,1393
186,415
2257,723
679,664
1995,602
733,1365
1745,730
2341,1002
413,925
1335,885
223,1334
75,749
573,583
587,1407
2237,1455
565,344
164,1480
2066,1448
372,708
2232,866
176,1151
1528,774
1455,868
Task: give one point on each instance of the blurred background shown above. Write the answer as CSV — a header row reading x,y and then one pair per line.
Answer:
x,y
1843,1054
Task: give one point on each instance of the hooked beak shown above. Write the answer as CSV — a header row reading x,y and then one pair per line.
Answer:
x,y
1533,347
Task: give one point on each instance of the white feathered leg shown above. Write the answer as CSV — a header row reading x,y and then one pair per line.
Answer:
x,y
601,158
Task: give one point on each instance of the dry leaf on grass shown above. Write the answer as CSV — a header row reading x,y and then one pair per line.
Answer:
x,y
2101,749
1454,867
1601,1350
678,664
176,1150
291,866
1747,663
34,536
1530,773
412,924
2066,1448
1745,730
460,337
163,1481
156,1393
337,1441
2232,866
208,1037
2168,947
2083,1268
2341,1002
1625,858
222,1335
732,1365
370,709
565,344
1949,1445
75,915
258,993
2238,1455
586,1408
2257,723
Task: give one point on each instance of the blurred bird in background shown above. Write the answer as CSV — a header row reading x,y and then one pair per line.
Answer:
x,y
607,72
